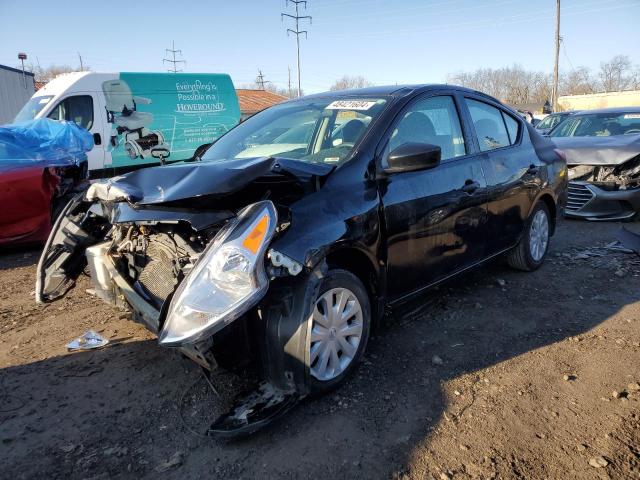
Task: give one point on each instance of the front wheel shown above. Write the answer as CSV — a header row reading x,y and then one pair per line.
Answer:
x,y
340,324
531,251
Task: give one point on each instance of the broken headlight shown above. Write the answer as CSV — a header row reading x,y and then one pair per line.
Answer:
x,y
228,279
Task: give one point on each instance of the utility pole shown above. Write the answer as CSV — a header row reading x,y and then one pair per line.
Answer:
x,y
174,62
554,91
81,64
289,83
297,32
22,57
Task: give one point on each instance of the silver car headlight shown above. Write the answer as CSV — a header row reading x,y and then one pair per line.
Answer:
x,y
228,279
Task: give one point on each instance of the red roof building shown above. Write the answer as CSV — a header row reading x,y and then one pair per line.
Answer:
x,y
252,101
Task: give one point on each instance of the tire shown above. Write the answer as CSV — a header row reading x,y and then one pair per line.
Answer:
x,y
524,256
324,340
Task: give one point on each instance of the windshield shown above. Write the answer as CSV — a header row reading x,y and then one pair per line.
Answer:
x,y
550,121
32,108
598,125
316,131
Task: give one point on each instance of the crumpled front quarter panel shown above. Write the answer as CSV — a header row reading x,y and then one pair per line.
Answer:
x,y
343,213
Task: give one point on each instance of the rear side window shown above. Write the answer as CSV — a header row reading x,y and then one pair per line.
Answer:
x,y
489,125
77,109
512,127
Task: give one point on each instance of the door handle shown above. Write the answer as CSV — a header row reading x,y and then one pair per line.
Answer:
x,y
97,140
533,169
470,186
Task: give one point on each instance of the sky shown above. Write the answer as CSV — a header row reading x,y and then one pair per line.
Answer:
x,y
387,42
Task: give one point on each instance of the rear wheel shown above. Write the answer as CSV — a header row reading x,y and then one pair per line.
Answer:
x,y
340,325
531,251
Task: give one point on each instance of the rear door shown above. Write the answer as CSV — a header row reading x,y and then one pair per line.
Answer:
x,y
435,219
511,167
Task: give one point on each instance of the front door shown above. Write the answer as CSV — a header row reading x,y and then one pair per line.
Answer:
x,y
79,108
435,219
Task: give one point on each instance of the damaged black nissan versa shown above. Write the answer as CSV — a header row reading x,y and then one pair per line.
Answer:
x,y
285,245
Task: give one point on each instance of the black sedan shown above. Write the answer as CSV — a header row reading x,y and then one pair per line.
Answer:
x,y
284,252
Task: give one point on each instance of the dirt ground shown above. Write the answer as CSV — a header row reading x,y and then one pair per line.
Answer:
x,y
497,374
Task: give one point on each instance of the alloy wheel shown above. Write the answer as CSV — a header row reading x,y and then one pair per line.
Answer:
x,y
539,235
336,333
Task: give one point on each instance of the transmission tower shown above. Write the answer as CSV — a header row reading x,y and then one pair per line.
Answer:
x,y
260,80
297,32
172,51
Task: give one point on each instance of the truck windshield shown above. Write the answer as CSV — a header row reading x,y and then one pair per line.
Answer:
x,y
32,108
317,131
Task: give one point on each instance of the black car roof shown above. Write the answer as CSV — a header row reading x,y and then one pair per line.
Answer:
x,y
396,90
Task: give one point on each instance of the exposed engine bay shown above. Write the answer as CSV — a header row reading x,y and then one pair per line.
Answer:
x,y
155,259
604,176
604,192
618,177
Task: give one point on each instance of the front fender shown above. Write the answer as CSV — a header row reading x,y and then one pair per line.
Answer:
x,y
330,220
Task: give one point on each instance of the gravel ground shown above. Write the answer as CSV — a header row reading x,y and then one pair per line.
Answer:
x,y
497,374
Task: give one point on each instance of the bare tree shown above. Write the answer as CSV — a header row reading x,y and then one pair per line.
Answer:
x,y
616,74
284,91
348,82
513,85
272,87
50,72
578,81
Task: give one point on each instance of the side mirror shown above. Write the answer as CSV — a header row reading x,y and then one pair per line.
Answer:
x,y
410,157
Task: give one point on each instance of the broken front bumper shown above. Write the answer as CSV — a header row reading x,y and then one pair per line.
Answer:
x,y
113,288
588,201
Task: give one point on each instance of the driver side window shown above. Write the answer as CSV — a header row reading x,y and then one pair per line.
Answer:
x,y
78,109
434,121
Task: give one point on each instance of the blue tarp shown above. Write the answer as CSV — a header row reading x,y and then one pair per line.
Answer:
x,y
43,143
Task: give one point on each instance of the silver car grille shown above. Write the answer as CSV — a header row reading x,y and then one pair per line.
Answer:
x,y
578,196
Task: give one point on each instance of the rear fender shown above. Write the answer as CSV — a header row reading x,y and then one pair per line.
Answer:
x,y
79,225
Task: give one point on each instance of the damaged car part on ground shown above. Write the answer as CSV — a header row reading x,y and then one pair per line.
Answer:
x,y
282,256
603,155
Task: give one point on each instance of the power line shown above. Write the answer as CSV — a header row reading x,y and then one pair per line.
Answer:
x,y
297,32
174,62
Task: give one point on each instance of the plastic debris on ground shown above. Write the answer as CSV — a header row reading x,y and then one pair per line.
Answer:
x,y
43,143
88,341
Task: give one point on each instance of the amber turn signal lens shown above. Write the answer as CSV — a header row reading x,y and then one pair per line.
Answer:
x,y
255,237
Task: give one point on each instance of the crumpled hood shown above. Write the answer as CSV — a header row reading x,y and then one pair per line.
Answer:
x,y
610,151
179,181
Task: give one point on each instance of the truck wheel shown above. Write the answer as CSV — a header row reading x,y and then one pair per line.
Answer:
x,y
340,325
531,251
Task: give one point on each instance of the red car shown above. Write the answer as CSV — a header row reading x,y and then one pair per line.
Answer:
x,y
31,198
42,164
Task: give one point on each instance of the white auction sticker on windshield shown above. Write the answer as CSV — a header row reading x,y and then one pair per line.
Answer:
x,y
350,105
